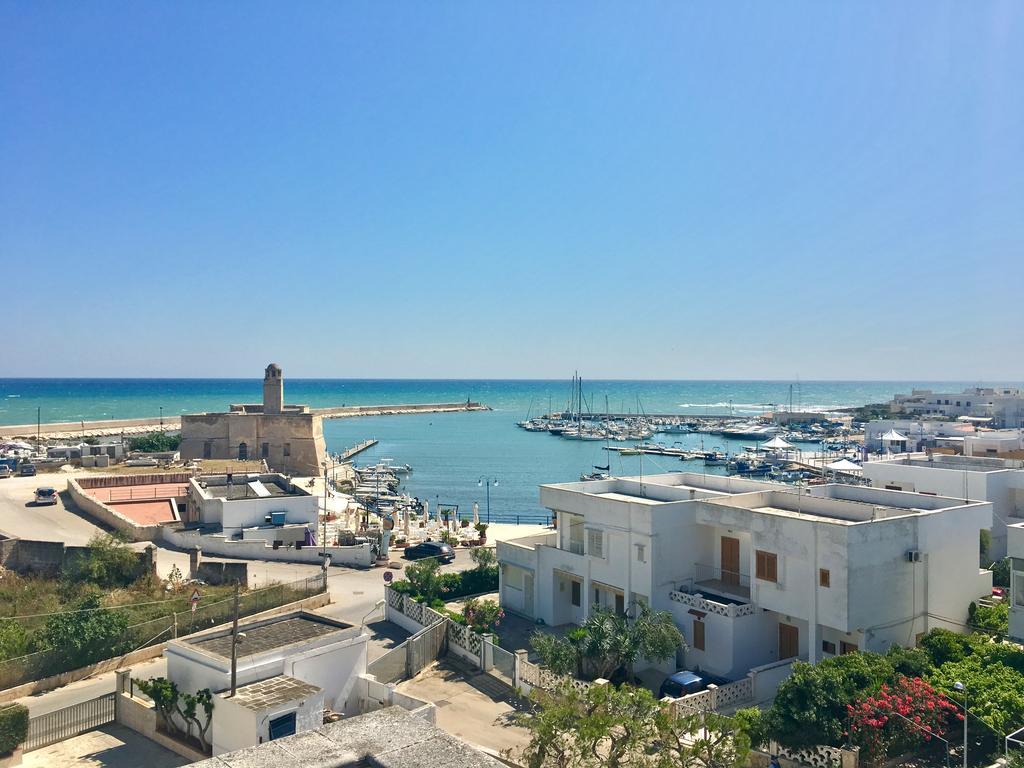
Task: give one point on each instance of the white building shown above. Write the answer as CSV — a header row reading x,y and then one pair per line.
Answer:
x,y
289,669
1000,406
918,434
998,481
1015,549
994,442
253,506
753,572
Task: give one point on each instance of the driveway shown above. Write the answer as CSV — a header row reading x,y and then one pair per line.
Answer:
x,y
112,746
471,705
56,522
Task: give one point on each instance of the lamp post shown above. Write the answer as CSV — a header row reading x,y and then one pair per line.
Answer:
x,y
487,482
961,687
161,418
323,519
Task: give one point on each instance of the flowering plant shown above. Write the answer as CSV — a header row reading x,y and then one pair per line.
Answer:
x,y
482,615
899,718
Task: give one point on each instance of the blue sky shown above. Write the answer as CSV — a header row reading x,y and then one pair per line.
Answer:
x,y
644,190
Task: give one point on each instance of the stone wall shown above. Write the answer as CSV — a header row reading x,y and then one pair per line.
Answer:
x,y
108,515
50,557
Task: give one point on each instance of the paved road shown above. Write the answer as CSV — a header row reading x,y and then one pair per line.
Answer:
x,y
61,522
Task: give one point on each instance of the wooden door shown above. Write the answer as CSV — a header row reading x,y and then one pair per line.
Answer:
x,y
730,560
789,641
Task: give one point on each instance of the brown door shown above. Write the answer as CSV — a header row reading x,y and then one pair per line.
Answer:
x,y
730,560
789,641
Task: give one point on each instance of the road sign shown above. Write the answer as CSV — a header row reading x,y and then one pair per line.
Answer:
x,y
195,599
388,577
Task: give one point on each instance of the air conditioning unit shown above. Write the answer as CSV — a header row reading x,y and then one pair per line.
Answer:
x,y
913,556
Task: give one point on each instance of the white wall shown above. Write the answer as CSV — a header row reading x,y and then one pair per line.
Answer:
x,y
358,555
234,726
333,668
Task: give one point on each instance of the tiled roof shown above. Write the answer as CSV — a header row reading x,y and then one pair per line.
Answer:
x,y
272,692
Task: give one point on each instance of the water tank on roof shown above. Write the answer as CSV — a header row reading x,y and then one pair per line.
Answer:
x,y
278,518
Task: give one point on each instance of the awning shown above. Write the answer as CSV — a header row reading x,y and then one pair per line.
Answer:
x,y
844,465
698,614
892,436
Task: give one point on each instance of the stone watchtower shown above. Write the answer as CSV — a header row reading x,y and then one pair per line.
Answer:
x,y
273,389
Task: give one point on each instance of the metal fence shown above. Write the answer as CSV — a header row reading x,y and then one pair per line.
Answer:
x,y
35,666
412,656
61,724
503,664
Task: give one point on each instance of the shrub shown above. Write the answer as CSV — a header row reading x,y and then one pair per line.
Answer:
x,y
424,579
482,615
13,727
155,442
108,563
992,619
483,557
943,646
87,634
1001,572
751,721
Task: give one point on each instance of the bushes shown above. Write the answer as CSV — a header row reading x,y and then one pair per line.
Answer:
x,y
13,727
87,635
992,619
426,584
109,563
155,442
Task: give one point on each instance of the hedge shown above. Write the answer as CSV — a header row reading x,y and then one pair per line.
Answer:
x,y
13,727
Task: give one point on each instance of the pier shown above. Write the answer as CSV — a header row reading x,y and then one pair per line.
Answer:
x,y
69,430
355,450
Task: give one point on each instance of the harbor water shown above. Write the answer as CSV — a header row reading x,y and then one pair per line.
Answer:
x,y
454,454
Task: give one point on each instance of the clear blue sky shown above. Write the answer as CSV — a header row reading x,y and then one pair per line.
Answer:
x,y
646,190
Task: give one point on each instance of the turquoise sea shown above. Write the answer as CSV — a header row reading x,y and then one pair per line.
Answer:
x,y
451,453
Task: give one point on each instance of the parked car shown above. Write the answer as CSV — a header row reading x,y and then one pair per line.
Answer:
x,y
438,549
46,496
684,682
5,471
28,470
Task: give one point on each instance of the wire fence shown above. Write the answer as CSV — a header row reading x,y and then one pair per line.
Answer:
x,y
35,666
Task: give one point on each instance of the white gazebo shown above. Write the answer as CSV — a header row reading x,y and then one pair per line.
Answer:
x,y
894,442
778,444
844,465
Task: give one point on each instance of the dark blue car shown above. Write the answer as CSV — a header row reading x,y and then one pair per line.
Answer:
x,y
685,682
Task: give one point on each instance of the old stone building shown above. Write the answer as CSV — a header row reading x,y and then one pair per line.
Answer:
x,y
289,437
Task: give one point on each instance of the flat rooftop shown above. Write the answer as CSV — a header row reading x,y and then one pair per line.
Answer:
x,y
272,692
137,492
146,512
666,488
387,738
269,635
956,463
249,486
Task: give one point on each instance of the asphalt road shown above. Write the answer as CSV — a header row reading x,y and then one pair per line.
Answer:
x,y
20,517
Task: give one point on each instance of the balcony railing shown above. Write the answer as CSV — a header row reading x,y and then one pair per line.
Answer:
x,y
722,581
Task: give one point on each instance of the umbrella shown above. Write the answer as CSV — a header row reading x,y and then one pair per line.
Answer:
x,y
476,513
426,512
406,514
843,465
777,443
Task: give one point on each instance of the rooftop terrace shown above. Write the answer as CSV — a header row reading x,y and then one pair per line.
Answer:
x,y
269,635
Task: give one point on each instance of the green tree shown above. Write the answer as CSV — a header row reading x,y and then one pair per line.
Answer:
x,y
991,619
424,579
943,646
13,727
810,707
618,726
1001,572
109,563
483,557
87,634
155,442
14,640
609,644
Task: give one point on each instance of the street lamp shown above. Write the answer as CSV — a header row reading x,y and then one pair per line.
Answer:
x,y
487,482
161,418
963,688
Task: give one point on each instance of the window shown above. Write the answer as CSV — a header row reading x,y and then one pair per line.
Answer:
x,y
767,566
575,534
698,635
243,452
595,543
265,450
577,596
827,647
208,449
282,726
845,647
824,577
287,449
620,605
641,553
1018,589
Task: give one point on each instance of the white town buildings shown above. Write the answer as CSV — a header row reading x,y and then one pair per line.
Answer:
x,y
997,481
753,572
997,406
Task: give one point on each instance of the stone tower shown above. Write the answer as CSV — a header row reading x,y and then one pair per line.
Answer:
x,y
273,389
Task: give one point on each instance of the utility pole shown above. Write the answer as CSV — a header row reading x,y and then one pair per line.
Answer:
x,y
39,420
234,645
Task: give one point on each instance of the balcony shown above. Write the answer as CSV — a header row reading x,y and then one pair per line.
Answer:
x,y
709,578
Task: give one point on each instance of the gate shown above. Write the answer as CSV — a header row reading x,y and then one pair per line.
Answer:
x,y
408,659
61,724
503,665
